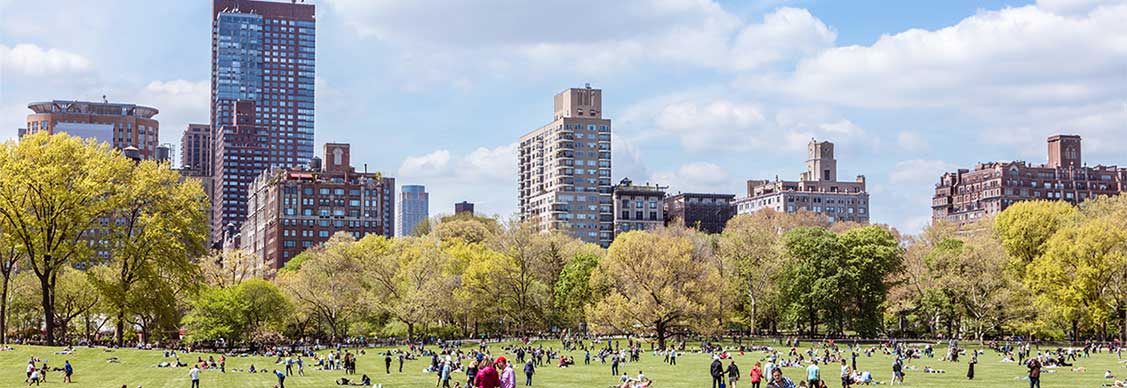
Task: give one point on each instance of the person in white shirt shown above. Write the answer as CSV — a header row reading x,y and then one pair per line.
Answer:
x,y
195,375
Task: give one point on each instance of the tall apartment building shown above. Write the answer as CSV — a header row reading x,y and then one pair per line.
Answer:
x,y
294,209
708,213
195,150
966,195
262,77
638,207
118,124
565,168
414,207
817,190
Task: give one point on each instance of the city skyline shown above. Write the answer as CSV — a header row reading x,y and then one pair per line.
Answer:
x,y
410,97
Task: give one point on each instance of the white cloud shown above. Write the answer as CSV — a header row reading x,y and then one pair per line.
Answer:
x,y
1014,56
180,102
32,60
696,177
918,172
1073,7
453,43
480,166
484,176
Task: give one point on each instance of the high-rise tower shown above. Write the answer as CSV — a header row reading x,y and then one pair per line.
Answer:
x,y
564,166
262,77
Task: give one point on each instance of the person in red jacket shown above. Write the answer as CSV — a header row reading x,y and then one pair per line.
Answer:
x,y
487,376
756,375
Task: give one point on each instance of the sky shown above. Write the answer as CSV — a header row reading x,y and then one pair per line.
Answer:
x,y
703,95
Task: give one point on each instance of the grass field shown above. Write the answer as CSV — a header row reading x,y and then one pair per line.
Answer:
x,y
137,369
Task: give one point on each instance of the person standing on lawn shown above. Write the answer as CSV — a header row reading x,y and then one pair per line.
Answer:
x,y
281,378
778,380
970,366
733,374
717,372
1034,366
67,371
529,369
487,375
813,374
194,374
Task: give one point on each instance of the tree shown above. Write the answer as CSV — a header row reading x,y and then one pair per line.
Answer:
x,y
871,255
234,313
328,285
405,275
73,298
1024,227
751,243
470,230
54,189
1070,278
572,290
650,282
811,284
524,296
9,257
231,267
158,227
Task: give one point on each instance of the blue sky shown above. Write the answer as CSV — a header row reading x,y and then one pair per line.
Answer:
x,y
703,95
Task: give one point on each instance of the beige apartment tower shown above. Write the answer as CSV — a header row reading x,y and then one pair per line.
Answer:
x,y
564,181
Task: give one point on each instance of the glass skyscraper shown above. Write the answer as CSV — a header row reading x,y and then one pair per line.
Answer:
x,y
414,206
262,80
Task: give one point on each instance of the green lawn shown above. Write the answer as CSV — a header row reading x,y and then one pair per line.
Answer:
x,y
137,369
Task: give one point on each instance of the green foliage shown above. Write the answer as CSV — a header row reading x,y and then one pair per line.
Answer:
x,y
573,291
234,313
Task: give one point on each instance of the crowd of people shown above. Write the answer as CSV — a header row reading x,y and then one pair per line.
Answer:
x,y
788,363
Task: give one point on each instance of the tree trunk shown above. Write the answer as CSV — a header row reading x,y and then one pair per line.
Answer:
x,y
410,331
4,309
660,335
120,326
754,318
48,309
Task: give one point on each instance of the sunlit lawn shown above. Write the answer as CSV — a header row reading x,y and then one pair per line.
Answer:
x,y
137,368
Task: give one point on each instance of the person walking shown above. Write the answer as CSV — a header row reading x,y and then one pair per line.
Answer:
x,y
387,363
717,372
1034,366
970,366
814,374
400,363
756,375
446,366
67,371
614,365
673,357
508,376
529,369
846,375
733,374
194,374
897,372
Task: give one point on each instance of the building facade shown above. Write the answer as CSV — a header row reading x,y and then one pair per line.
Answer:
x,y
195,150
817,190
637,207
262,77
294,209
414,207
464,207
565,169
965,196
118,124
708,213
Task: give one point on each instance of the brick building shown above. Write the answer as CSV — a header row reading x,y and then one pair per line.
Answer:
x,y
637,207
964,196
262,96
708,212
294,209
817,190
